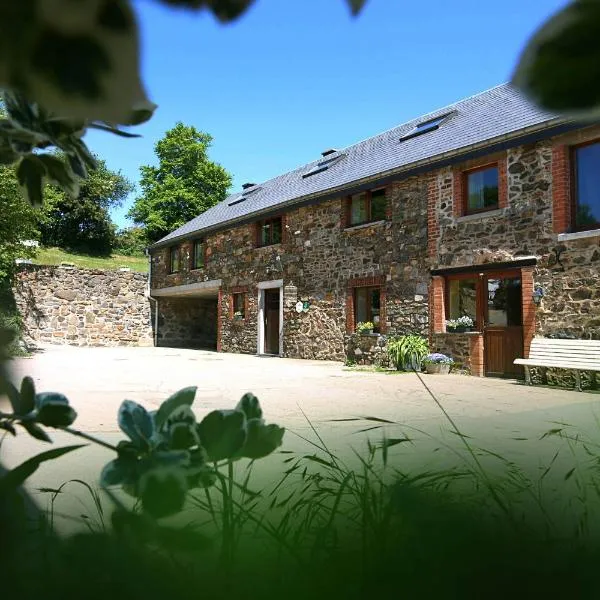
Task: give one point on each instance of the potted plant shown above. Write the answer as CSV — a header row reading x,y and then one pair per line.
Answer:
x,y
407,352
459,325
438,363
364,328
237,315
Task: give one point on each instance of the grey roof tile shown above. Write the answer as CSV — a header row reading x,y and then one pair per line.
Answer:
x,y
499,111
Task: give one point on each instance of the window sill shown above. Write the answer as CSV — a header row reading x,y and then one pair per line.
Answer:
x,y
480,215
257,247
578,235
194,269
352,228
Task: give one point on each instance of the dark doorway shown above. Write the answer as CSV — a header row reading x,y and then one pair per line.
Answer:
x,y
272,324
503,323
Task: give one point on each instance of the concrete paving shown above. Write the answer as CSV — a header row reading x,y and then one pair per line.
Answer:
x,y
502,415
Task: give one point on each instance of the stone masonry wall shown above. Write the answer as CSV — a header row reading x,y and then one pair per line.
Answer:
x,y
187,323
83,307
568,265
317,259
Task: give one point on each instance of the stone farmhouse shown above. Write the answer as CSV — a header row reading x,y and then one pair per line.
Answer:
x,y
489,208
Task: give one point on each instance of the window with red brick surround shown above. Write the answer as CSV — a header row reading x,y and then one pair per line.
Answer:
x,y
198,254
366,207
585,186
239,302
561,188
364,282
461,186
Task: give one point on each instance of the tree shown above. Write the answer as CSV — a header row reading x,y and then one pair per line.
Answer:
x,y
131,241
82,223
183,185
18,223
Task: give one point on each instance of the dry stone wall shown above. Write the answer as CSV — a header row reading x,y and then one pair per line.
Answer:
x,y
83,307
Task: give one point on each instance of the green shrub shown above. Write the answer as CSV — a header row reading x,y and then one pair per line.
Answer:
x,y
407,352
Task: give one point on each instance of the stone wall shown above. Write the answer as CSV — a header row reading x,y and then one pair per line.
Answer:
x,y
187,323
83,307
456,346
568,264
367,349
318,258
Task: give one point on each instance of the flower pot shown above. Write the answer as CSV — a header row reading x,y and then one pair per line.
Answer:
x,y
366,332
437,368
458,330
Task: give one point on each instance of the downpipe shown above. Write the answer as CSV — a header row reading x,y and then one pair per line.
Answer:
x,y
152,298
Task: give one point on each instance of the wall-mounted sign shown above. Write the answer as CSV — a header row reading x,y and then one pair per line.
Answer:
x,y
299,307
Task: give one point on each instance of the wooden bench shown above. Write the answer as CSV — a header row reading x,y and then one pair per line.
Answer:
x,y
576,355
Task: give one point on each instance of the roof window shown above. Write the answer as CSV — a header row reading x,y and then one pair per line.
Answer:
x,y
425,126
249,189
323,165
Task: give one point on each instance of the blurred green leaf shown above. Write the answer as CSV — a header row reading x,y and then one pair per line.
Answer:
x,y
356,5
162,491
135,422
18,475
56,415
13,396
8,426
30,174
35,431
262,439
184,397
44,398
250,406
560,66
222,433
27,395
59,172
118,472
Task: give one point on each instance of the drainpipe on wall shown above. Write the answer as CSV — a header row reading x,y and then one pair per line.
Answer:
x,y
151,298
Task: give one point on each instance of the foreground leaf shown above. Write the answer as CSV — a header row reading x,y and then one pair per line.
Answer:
x,y
223,433
250,406
560,66
162,491
18,475
184,397
135,422
30,174
262,439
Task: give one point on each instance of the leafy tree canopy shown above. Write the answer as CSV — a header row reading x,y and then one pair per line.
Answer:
x,y
18,223
183,185
82,223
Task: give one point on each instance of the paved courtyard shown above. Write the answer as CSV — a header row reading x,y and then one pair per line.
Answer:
x,y
502,415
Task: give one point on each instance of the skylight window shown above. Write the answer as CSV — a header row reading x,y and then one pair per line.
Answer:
x,y
425,126
245,194
323,165
236,201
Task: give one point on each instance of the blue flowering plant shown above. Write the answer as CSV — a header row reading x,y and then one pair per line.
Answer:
x,y
437,358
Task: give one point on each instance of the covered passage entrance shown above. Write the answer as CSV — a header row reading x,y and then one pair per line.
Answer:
x,y
186,316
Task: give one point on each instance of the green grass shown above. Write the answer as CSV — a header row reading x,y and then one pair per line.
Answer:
x,y
54,256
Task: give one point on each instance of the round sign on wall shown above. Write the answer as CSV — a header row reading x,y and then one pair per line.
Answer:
x,y
299,307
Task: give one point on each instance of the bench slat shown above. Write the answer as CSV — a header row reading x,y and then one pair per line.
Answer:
x,y
557,365
566,343
571,357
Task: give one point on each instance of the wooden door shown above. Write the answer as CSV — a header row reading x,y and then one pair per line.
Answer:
x,y
271,316
503,323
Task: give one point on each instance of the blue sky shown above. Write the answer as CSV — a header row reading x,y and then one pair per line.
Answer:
x,y
294,77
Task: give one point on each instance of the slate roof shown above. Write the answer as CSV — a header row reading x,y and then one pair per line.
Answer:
x,y
500,111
